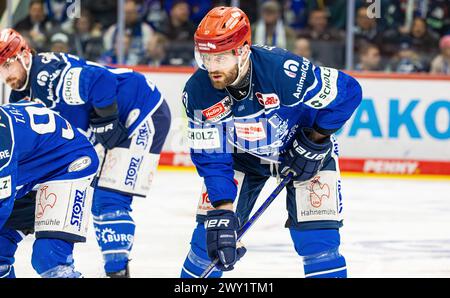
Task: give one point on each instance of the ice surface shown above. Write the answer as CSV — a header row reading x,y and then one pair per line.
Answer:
x,y
392,228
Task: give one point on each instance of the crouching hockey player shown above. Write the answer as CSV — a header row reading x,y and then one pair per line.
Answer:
x,y
278,111
40,151
125,115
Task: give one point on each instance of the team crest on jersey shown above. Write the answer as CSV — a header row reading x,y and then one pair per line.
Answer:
x,y
269,101
219,110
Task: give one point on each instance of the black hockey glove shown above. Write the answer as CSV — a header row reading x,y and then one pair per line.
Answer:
x,y
109,131
221,226
305,158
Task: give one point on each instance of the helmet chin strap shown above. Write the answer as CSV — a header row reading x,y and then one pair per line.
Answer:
x,y
241,66
27,69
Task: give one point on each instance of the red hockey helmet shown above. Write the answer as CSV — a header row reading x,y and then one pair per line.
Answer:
x,y
223,29
11,44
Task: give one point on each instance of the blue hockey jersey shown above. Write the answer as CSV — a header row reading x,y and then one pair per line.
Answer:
x,y
37,146
73,86
287,93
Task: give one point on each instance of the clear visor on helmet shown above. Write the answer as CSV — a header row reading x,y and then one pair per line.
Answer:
x,y
216,61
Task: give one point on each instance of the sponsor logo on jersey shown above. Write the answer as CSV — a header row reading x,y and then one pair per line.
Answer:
x,y
70,89
77,208
219,110
5,187
250,131
108,235
269,101
318,192
132,171
4,154
328,91
304,71
45,200
143,135
44,78
291,68
203,138
80,164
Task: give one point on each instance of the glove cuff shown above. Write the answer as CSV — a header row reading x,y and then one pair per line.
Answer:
x,y
99,120
219,212
303,138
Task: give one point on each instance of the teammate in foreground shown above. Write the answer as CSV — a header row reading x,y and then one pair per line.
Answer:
x,y
40,151
120,111
257,112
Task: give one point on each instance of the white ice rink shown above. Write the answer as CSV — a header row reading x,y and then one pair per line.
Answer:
x,y
392,228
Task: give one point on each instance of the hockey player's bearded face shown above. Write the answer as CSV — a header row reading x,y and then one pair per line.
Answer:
x,y
13,73
222,68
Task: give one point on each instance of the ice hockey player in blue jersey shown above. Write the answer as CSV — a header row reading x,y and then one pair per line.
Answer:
x,y
121,111
40,151
256,112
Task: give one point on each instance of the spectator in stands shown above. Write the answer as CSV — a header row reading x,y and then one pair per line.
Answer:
x,y
197,8
156,51
365,27
438,16
104,11
36,24
270,29
407,60
57,9
178,27
296,14
327,44
424,41
336,11
112,56
180,32
59,42
369,58
153,12
302,48
441,63
318,28
138,31
86,37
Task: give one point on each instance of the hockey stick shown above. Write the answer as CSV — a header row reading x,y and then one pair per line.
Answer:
x,y
252,219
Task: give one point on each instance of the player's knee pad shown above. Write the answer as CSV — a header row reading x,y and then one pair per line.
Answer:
x,y
114,229
319,250
106,201
53,258
9,239
197,259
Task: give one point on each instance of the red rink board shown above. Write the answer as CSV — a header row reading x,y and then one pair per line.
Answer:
x,y
355,165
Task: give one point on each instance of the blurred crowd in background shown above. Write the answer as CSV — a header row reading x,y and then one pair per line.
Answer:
x,y
407,36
